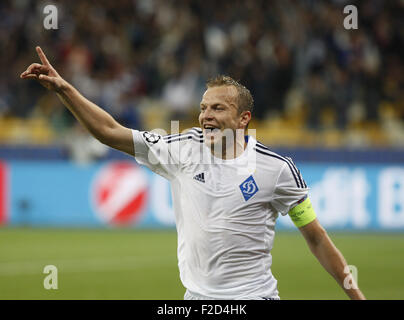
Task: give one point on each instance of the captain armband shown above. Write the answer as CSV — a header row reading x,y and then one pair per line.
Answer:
x,y
303,213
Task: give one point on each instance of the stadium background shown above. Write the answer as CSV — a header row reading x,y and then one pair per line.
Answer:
x,y
331,98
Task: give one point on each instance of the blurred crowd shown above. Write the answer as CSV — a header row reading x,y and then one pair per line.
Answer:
x,y
295,56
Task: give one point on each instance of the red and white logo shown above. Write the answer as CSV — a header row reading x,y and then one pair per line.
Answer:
x,y
119,193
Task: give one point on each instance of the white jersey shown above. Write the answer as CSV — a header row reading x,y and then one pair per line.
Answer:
x,y
225,214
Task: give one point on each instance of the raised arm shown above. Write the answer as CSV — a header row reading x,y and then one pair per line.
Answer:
x,y
98,122
329,256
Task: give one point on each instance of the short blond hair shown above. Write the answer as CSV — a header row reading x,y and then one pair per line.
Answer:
x,y
245,101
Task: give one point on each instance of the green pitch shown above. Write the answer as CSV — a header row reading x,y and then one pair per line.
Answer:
x,y
129,264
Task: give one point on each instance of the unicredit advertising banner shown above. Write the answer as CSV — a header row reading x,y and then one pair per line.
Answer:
x,y
124,194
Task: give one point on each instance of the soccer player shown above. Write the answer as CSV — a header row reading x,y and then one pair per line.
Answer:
x,y
227,190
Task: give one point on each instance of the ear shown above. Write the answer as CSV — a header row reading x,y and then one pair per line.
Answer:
x,y
245,118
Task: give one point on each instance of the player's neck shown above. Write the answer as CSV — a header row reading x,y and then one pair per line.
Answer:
x,y
227,151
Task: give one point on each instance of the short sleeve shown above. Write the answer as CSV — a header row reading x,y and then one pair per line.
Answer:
x,y
290,188
155,153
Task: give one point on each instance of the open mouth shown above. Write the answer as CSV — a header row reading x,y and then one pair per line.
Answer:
x,y
209,129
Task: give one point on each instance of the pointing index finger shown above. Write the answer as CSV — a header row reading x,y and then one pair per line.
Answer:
x,y
42,56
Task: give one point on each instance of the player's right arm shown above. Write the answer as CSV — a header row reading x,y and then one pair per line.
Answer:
x,y
98,122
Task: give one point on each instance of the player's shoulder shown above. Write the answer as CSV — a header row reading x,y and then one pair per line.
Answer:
x,y
192,135
291,172
271,157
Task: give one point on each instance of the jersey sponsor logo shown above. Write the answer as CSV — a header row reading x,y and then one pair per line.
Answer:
x,y
119,193
151,138
248,188
200,177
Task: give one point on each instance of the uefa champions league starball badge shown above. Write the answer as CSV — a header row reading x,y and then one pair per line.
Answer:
x,y
151,137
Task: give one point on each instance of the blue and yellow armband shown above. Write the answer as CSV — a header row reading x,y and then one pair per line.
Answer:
x,y
302,214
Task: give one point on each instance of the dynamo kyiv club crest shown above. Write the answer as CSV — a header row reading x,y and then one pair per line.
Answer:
x,y
248,188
